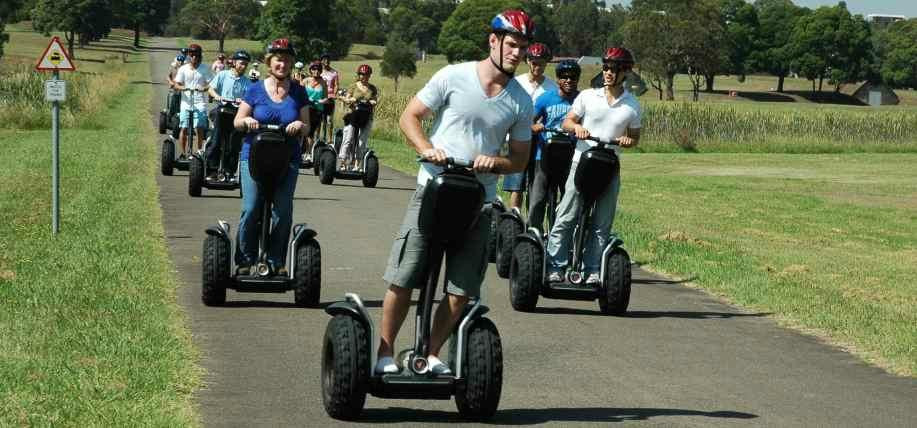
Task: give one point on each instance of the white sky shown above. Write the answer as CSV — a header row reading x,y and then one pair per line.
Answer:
x,y
863,7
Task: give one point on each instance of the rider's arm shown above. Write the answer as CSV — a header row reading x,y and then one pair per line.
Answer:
x,y
572,124
214,88
242,115
516,160
411,123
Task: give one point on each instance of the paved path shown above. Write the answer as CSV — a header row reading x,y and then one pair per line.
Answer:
x,y
680,358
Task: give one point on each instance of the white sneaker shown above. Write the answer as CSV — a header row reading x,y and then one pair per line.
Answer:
x,y
386,365
555,277
593,279
437,367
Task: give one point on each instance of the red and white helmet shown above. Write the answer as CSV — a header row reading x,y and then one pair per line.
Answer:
x,y
513,22
364,69
539,51
621,56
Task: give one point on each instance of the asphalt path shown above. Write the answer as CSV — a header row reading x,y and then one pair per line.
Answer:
x,y
680,358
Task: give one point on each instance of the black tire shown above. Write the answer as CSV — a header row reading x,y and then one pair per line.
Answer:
x,y
526,276
162,122
371,172
328,166
616,284
479,396
215,270
316,160
507,229
345,367
195,176
167,157
495,212
307,279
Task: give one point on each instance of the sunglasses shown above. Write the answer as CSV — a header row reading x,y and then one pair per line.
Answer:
x,y
567,77
611,67
364,74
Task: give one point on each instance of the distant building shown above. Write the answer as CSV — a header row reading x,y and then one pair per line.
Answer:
x,y
876,94
883,20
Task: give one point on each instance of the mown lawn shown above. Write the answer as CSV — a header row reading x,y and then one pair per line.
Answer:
x,y
90,332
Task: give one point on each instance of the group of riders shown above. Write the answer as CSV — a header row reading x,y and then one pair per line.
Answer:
x,y
481,112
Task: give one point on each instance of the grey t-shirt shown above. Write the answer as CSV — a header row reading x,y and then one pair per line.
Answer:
x,y
468,123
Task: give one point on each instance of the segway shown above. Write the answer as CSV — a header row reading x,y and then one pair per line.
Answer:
x,y
317,146
509,224
595,171
369,171
475,355
556,157
168,159
496,209
268,159
224,176
168,116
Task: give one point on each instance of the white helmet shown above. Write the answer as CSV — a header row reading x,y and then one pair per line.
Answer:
x,y
299,65
254,74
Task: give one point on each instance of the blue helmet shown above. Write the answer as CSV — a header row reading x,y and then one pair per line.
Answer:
x,y
180,58
241,55
567,68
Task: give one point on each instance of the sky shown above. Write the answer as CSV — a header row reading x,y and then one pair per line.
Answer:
x,y
863,7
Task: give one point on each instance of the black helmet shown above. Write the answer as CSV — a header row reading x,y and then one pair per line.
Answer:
x,y
281,46
241,55
567,68
325,55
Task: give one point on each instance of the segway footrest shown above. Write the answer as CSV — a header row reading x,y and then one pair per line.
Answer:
x,y
413,387
567,291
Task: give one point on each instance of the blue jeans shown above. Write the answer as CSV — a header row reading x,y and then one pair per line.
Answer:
x,y
281,218
560,239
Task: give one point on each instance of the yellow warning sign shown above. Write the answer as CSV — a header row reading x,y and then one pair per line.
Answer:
x,y
55,58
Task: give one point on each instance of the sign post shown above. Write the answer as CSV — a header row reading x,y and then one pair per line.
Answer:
x,y
55,59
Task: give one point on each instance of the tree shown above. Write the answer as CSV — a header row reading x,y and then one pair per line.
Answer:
x,y
369,27
218,18
411,26
142,14
84,20
541,15
398,59
464,35
831,44
326,27
740,21
578,28
772,53
899,54
7,11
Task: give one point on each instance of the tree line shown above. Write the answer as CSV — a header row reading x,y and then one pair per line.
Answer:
x,y
700,38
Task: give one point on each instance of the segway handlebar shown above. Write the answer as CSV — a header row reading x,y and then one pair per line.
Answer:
x,y
270,127
590,138
451,162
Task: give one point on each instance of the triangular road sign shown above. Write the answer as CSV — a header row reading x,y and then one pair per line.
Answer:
x,y
55,58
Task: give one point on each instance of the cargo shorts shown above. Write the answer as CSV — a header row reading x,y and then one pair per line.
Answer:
x,y
466,262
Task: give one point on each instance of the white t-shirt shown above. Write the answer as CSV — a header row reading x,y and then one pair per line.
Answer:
x,y
193,78
535,90
468,123
604,121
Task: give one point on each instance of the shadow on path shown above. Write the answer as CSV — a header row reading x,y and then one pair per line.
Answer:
x,y
540,416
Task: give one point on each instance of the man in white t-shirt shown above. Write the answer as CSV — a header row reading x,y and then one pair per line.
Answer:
x,y
608,113
193,80
475,104
535,83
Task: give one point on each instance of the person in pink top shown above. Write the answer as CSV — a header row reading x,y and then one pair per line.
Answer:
x,y
220,64
332,81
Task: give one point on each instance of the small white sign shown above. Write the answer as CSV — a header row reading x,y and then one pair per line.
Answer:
x,y
55,90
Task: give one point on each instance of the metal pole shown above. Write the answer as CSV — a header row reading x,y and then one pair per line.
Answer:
x,y
55,164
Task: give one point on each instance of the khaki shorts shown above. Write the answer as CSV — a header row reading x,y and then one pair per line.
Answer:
x,y
466,262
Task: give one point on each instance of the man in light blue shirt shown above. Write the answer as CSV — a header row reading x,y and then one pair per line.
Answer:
x,y
227,88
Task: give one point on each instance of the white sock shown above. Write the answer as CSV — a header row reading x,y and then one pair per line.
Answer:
x,y
386,365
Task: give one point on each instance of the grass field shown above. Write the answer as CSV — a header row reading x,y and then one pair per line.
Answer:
x,y
90,332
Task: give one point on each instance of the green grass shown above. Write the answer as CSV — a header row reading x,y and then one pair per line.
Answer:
x,y
90,332
827,243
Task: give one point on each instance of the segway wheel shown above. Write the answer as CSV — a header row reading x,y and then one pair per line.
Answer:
x,y
616,284
507,229
166,157
495,212
317,150
345,367
328,165
371,173
525,276
307,279
195,176
215,269
478,397
162,122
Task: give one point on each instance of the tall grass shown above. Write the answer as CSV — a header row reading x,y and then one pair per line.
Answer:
x,y
23,105
710,127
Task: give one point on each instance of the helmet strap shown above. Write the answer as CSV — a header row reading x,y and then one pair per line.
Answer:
x,y
500,65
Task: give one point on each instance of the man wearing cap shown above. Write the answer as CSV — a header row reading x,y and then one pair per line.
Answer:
x,y
194,76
